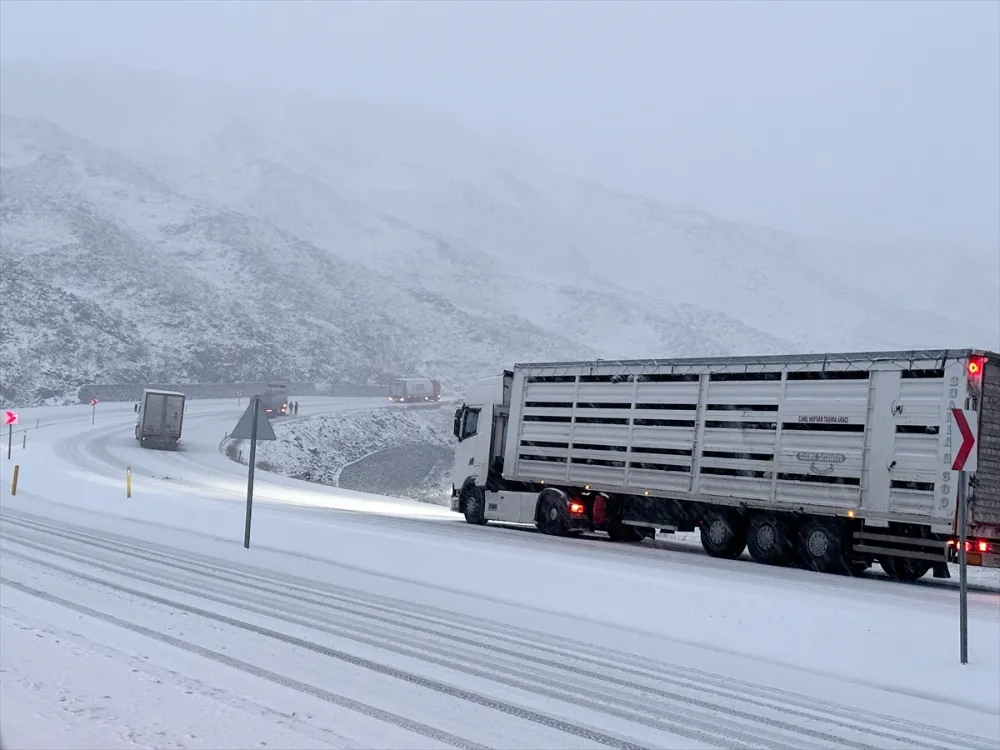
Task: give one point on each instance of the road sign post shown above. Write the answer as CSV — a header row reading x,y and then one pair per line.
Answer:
x,y
253,426
93,410
963,580
10,419
255,404
964,461
239,398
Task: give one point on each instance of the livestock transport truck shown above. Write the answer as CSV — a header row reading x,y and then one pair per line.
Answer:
x,y
828,461
160,419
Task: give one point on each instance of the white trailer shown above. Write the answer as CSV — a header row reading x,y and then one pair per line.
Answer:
x,y
828,461
160,419
405,390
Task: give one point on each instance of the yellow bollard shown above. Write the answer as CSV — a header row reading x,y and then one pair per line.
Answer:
x,y
13,483
128,481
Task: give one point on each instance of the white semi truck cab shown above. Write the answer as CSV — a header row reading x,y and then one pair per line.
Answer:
x,y
826,461
481,429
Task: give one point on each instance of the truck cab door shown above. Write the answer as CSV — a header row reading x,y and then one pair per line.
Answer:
x,y
499,437
472,452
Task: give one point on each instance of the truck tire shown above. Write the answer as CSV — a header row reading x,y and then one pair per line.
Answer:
x,y
474,506
820,547
769,539
723,534
904,569
550,518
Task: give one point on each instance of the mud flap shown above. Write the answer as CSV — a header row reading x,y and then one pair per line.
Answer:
x,y
941,570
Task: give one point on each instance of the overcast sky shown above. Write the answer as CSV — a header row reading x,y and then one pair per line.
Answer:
x,y
867,120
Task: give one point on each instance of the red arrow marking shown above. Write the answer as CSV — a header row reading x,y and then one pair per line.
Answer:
x,y
9,418
968,440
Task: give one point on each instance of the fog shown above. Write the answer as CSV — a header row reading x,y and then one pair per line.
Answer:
x,y
876,121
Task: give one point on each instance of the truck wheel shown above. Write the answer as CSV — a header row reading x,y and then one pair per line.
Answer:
x,y
723,534
903,568
769,540
551,513
821,547
475,506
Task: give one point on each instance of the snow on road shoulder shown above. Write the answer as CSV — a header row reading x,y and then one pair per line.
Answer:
x,y
403,451
90,686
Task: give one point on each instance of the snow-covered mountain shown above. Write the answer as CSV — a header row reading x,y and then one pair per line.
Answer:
x,y
157,228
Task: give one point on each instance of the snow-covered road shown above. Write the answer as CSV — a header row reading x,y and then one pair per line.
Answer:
x,y
358,621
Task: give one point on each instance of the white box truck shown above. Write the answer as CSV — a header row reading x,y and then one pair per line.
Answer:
x,y
408,390
160,419
828,461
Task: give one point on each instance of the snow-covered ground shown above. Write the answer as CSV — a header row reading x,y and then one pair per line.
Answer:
x,y
360,621
399,450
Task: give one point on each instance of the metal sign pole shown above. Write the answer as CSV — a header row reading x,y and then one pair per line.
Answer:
x,y
963,590
253,457
10,438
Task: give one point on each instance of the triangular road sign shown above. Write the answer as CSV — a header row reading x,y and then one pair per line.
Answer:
x,y
242,429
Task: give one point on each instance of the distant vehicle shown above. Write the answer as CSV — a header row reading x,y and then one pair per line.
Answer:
x,y
404,390
274,401
160,418
828,461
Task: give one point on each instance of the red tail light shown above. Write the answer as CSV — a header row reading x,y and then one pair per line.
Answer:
x,y
576,508
972,545
975,367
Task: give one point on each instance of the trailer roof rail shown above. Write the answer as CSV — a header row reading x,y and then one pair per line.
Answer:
x,y
845,360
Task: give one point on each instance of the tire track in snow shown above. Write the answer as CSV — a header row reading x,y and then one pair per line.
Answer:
x,y
324,695
540,668
357,661
704,730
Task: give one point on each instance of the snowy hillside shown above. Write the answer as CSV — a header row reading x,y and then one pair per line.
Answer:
x,y
154,228
401,451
